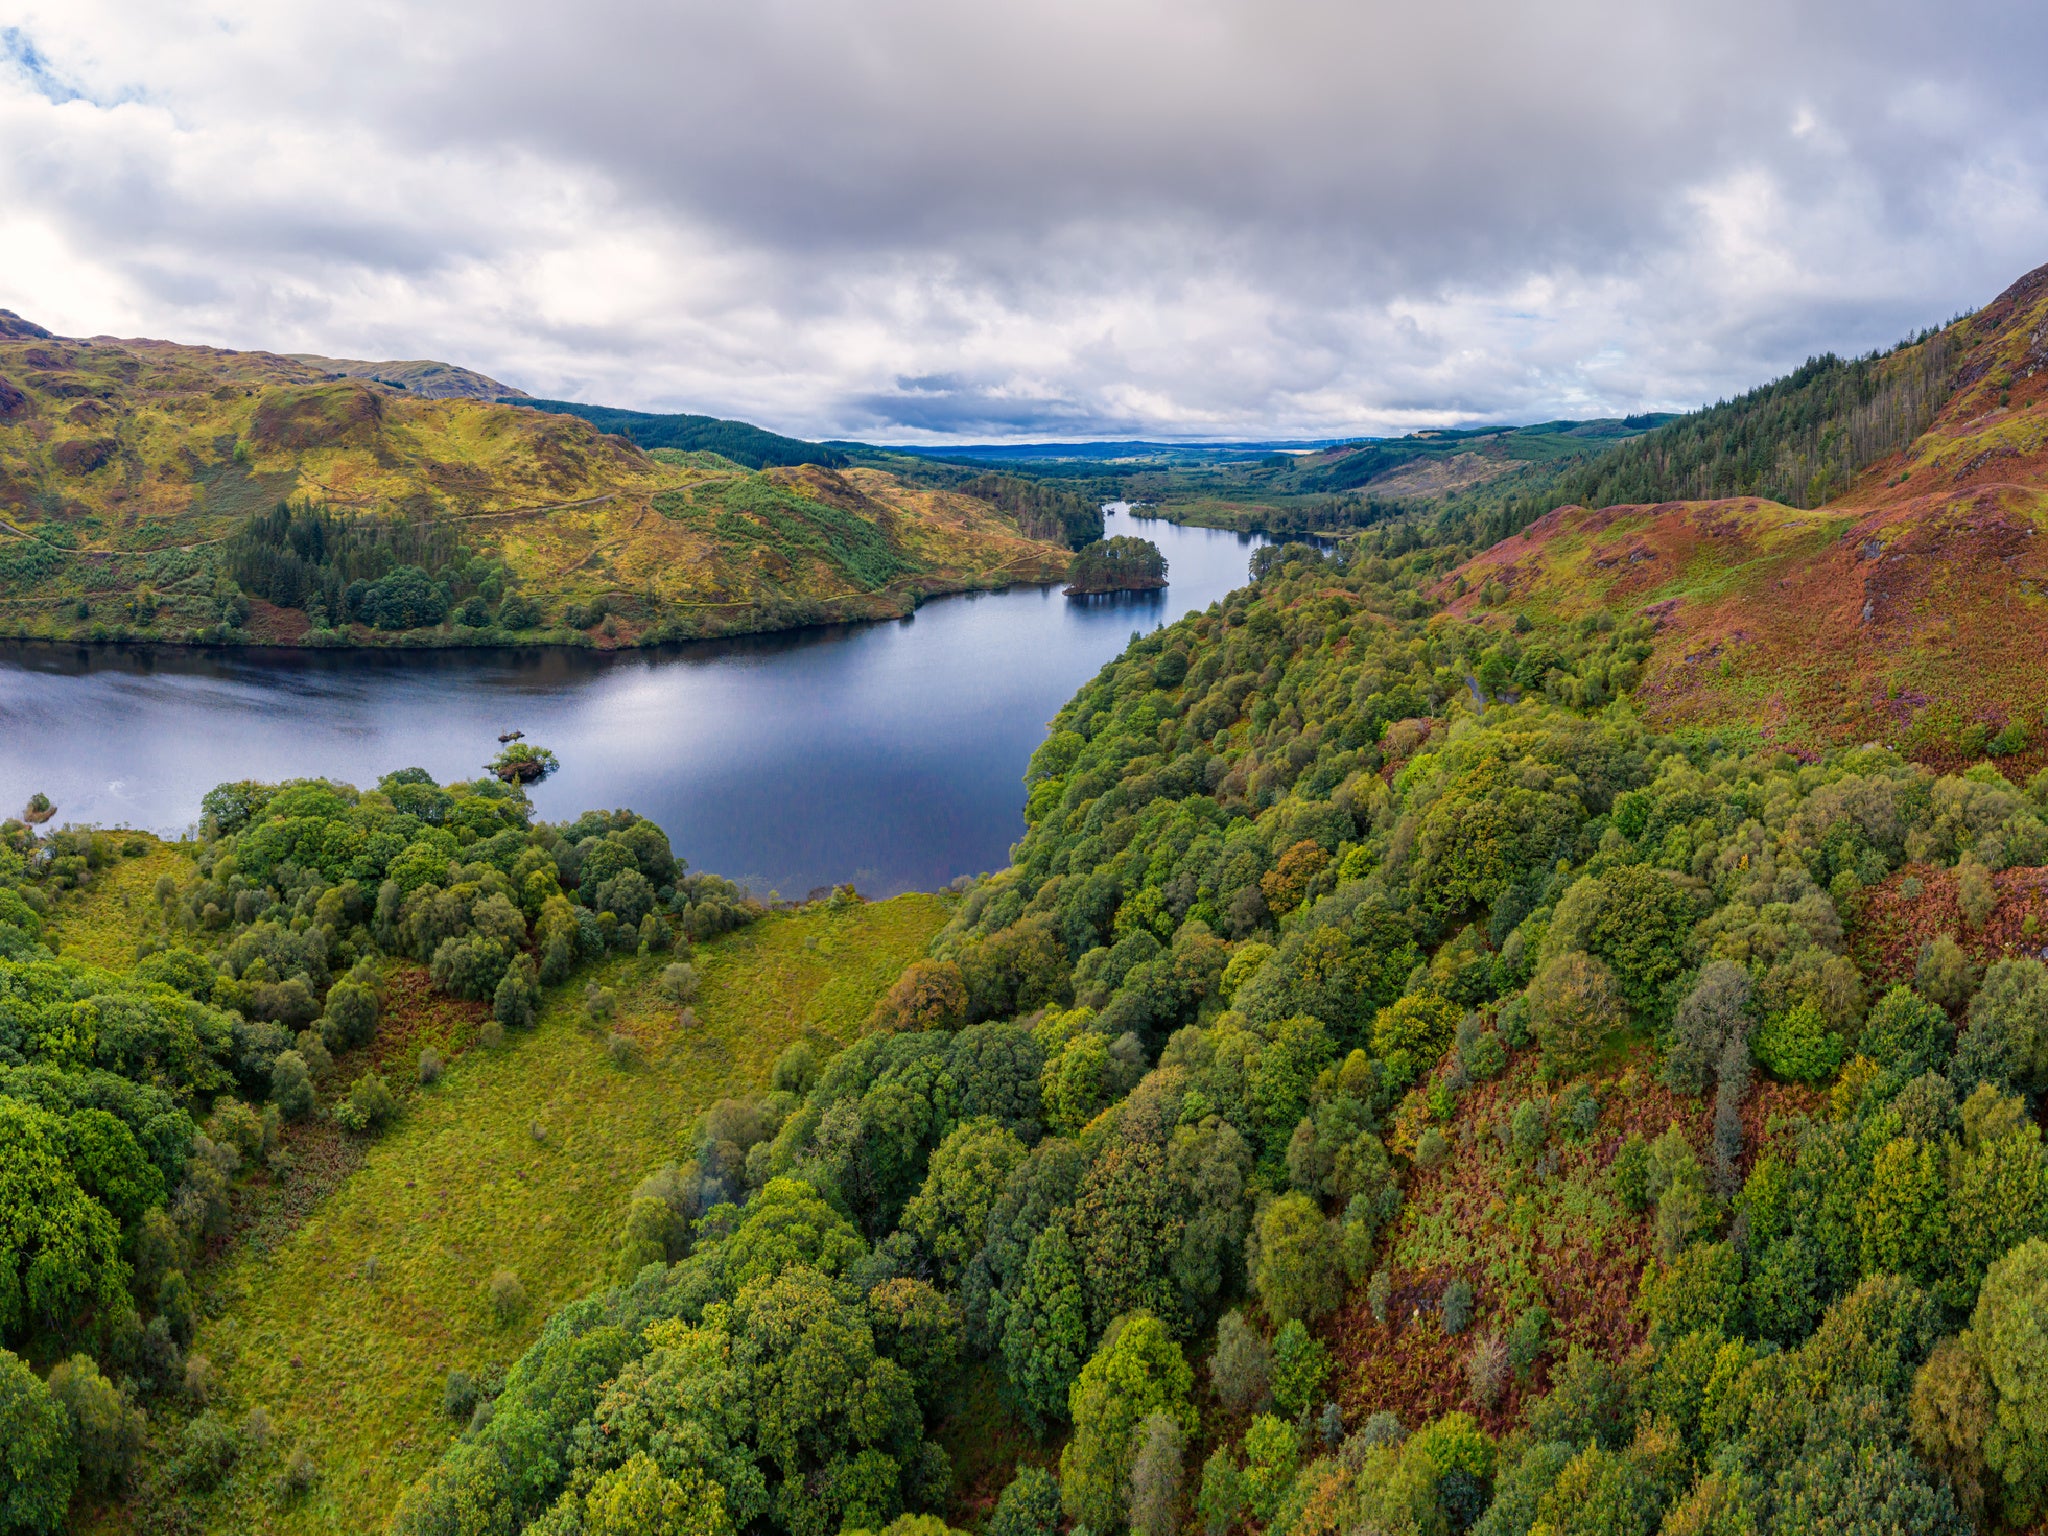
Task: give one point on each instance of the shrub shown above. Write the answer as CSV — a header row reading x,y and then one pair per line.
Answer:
x,y
207,1451
1139,1371
1714,1011
1029,1506
1487,1369
679,985
1529,1128
1379,1294
930,994
299,1474
1241,1368
598,1003
1797,1046
1272,1453
1414,1030
235,1124
1632,1174
351,1017
1431,1148
370,1104
312,1048
1486,1056
459,1396
470,965
1156,1477
516,1002
1975,893
1298,1267
2006,1043
624,1050
1983,1394
1577,1113
1906,1035
36,1450
1456,1307
1527,1339
430,1066
796,1069
1301,1364
291,1085
106,1430
558,953
490,1034
507,1297
1944,973
1221,1499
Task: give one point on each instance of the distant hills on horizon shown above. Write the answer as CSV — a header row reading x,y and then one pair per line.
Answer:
x,y
760,447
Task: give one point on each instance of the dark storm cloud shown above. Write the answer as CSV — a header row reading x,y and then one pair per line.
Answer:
x,y
908,217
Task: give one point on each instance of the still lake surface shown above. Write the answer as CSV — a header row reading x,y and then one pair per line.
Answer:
x,y
890,755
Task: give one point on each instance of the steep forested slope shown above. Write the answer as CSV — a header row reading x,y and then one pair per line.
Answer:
x,y
1523,1118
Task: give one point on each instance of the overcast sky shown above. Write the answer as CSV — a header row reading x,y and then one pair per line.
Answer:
x,y
923,219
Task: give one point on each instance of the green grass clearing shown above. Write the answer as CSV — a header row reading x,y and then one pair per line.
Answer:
x,y
522,1159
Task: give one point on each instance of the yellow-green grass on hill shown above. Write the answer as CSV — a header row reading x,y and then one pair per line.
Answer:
x,y
99,923
125,467
519,1158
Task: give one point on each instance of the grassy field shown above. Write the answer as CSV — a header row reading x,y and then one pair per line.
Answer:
x,y
99,923
344,1329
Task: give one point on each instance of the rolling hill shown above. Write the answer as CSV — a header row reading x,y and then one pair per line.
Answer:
x,y
1911,609
139,482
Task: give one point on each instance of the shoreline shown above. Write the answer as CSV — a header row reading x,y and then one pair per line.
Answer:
x,y
871,608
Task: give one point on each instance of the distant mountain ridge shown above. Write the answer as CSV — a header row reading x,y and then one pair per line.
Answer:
x,y
428,379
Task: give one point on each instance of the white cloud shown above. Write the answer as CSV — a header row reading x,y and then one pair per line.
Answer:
x,y
1081,217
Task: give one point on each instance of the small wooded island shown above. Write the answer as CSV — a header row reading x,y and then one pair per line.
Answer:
x,y
1120,564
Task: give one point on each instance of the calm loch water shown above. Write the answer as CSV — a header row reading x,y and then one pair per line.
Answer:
x,y
890,755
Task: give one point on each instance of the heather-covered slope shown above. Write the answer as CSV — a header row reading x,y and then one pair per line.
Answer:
x,y
1910,610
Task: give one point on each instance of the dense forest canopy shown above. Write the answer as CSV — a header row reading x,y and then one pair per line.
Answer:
x,y
388,572
1504,1105
1120,564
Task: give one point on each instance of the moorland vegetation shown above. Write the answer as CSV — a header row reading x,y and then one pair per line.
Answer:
x,y
167,493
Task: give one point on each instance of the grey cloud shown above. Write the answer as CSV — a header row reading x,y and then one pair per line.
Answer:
x,y
1212,217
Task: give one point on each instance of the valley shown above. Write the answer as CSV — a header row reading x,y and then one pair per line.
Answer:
x,y
1520,1016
